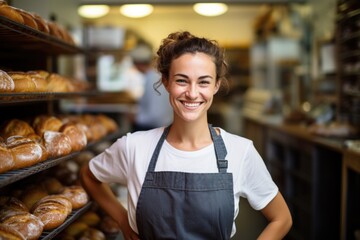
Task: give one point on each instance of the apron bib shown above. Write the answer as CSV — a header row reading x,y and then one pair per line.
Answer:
x,y
179,205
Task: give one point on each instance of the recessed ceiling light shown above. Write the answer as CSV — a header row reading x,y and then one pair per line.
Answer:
x,y
136,10
210,9
93,11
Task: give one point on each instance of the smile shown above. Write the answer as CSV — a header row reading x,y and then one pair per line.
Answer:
x,y
191,105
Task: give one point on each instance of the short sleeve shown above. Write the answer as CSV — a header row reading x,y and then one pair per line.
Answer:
x,y
258,186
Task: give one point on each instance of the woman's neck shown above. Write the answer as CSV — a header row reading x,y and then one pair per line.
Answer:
x,y
189,136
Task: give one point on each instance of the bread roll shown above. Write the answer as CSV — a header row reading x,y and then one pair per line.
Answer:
x,y
25,151
6,82
52,210
39,80
57,83
41,23
77,196
28,18
57,144
76,135
9,233
7,162
43,123
13,204
26,223
16,127
92,234
52,185
32,195
22,81
11,13
107,122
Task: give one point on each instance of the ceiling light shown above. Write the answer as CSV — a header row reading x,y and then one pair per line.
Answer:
x,y
210,9
93,11
136,10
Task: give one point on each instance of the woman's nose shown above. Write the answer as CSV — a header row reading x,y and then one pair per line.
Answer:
x,y
192,92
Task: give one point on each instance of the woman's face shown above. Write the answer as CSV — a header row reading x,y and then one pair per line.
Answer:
x,y
192,85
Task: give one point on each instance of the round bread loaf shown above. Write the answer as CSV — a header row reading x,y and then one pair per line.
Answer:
x,y
32,195
23,82
57,144
52,210
57,83
107,122
52,185
41,23
9,233
11,13
77,196
13,204
6,82
42,123
26,223
7,162
76,135
16,127
25,151
40,81
28,18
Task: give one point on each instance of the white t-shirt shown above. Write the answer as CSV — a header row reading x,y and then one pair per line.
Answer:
x,y
127,160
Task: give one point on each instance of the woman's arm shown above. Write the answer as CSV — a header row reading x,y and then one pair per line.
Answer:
x,y
279,217
104,196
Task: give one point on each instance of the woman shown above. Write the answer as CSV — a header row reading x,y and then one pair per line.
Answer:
x,y
184,181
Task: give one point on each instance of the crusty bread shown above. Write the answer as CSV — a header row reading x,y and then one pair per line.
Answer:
x,y
28,18
7,162
58,83
10,13
76,135
39,81
42,123
107,122
23,82
52,210
16,127
41,23
77,196
6,82
12,203
9,233
26,223
57,144
52,185
25,151
36,138
32,195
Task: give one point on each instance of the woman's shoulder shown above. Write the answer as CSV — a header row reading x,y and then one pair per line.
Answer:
x,y
227,136
147,136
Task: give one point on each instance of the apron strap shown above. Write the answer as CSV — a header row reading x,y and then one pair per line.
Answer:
x,y
220,150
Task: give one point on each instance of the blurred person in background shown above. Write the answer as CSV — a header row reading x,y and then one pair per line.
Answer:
x,y
154,109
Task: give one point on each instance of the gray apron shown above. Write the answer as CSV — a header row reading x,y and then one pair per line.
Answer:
x,y
190,206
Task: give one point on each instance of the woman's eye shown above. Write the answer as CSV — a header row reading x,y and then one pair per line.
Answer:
x,y
204,82
180,80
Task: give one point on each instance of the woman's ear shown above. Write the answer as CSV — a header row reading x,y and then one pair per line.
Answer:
x,y
217,86
165,82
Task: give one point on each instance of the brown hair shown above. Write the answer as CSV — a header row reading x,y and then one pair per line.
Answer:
x,y
179,43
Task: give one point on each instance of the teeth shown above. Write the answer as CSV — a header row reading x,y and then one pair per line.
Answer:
x,y
191,104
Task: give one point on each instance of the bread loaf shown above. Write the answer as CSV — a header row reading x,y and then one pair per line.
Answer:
x,y
23,82
16,127
9,233
36,138
52,210
10,13
77,196
57,144
52,185
58,83
42,123
25,151
95,126
6,82
32,195
41,23
39,81
7,162
13,204
76,135
107,122
28,18
26,223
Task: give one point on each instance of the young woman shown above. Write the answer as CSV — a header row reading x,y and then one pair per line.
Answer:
x,y
185,180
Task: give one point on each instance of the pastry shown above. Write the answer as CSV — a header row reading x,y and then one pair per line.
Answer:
x,y
6,82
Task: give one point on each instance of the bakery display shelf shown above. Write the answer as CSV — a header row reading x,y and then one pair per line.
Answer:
x,y
351,37
71,218
9,98
16,175
350,54
19,37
